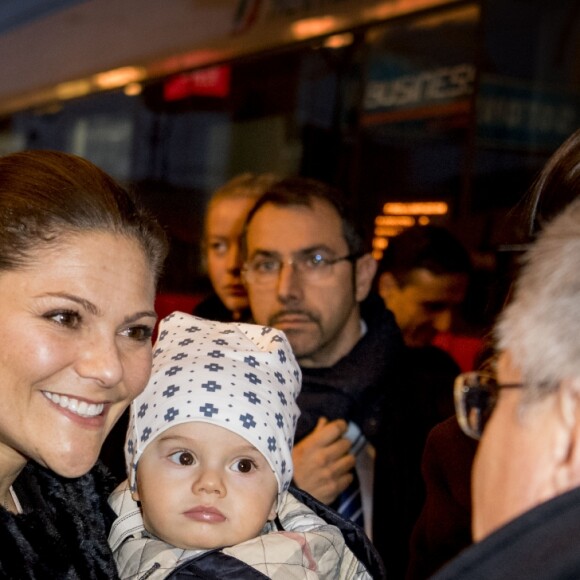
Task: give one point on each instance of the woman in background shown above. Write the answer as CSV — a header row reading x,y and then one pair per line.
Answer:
x,y
224,222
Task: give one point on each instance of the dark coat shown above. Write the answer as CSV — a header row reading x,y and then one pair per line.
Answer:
x,y
425,399
541,544
62,532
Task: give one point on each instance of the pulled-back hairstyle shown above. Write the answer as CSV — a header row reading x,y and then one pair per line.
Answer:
x,y
430,247
301,191
46,196
244,186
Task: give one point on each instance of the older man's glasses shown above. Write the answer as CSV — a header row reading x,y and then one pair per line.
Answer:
x,y
475,395
314,267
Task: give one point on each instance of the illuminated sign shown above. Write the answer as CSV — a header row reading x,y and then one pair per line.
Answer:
x,y
416,208
399,215
208,82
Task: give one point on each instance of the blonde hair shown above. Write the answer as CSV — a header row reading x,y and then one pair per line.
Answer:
x,y
246,185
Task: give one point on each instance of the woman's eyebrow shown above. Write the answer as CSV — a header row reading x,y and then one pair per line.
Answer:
x,y
93,309
86,304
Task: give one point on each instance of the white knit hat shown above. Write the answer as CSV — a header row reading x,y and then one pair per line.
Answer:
x,y
243,377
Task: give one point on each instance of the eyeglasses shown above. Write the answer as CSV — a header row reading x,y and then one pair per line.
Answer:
x,y
311,266
475,394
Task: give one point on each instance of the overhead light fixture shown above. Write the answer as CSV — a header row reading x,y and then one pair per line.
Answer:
x,y
133,89
416,208
339,40
119,77
311,27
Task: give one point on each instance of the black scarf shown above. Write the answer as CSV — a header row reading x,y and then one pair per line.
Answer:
x,y
63,530
357,386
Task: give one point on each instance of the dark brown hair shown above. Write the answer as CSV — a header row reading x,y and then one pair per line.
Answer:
x,y
301,191
48,195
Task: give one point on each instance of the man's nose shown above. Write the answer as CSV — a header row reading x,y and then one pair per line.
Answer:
x,y
289,283
442,320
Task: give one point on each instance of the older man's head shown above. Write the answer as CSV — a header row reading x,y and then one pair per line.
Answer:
x,y
530,449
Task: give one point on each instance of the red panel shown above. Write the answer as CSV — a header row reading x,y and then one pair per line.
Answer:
x,y
208,82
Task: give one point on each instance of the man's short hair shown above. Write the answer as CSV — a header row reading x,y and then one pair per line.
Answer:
x,y
429,247
301,191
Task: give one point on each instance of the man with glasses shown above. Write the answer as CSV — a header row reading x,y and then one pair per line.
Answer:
x,y
308,272
526,474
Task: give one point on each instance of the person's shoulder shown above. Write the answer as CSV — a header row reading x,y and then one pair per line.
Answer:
x,y
212,308
447,439
433,356
542,543
382,330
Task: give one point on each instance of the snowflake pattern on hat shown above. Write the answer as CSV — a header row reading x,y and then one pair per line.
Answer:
x,y
242,377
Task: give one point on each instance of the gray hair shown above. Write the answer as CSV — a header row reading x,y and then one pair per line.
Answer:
x,y
541,325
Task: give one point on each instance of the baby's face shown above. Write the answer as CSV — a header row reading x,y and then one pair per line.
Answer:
x,y
202,487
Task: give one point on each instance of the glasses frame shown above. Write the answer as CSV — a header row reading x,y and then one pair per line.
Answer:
x,y
294,264
475,395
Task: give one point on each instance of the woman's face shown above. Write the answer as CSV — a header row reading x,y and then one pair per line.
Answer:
x,y
224,225
75,349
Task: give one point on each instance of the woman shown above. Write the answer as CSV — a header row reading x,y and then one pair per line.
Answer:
x,y
79,263
224,222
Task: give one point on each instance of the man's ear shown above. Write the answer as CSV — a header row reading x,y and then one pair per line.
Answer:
x,y
365,270
567,448
387,284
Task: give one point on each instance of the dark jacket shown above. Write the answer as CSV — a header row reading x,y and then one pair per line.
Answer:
x,y
541,544
62,532
425,398
212,308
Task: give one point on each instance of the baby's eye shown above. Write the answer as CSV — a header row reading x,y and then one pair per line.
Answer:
x,y
67,318
244,465
141,332
182,458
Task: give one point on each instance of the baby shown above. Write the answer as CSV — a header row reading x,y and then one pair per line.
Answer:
x,y
209,459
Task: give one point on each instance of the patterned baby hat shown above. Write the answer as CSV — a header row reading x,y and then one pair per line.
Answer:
x,y
243,377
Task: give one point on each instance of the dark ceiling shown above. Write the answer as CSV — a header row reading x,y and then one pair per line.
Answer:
x,y
15,13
